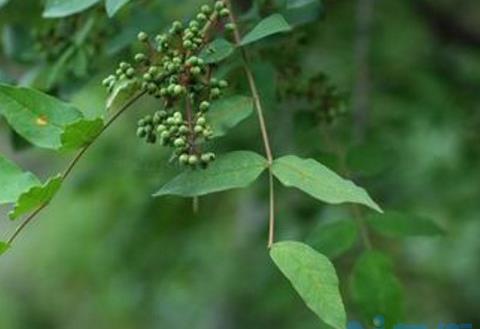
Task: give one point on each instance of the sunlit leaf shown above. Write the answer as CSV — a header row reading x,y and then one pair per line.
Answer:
x,y
62,8
396,224
314,278
271,25
228,112
37,117
232,170
320,182
334,238
35,197
376,290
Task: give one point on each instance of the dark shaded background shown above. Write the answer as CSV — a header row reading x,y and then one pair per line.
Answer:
x,y
107,255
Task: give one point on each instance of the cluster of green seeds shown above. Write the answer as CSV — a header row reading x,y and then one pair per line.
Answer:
x,y
172,70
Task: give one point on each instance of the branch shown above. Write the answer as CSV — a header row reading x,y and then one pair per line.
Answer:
x,y
73,163
261,119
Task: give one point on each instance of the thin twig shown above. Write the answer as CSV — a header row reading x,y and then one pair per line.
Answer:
x,y
72,165
261,119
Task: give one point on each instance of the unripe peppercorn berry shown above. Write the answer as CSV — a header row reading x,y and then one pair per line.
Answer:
x,y
204,106
219,5
183,158
224,12
192,160
201,121
177,90
179,142
142,37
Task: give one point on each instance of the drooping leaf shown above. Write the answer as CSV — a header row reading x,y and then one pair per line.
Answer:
x,y
35,197
80,133
122,91
314,278
335,238
228,112
217,50
320,182
232,170
62,8
14,181
271,25
376,290
113,6
3,247
37,117
395,224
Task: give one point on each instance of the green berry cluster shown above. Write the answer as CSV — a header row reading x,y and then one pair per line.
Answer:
x,y
172,70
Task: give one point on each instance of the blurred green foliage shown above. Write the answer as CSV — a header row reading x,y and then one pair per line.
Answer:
x,y
107,255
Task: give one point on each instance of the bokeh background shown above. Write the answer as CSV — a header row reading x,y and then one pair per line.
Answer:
x,y
105,254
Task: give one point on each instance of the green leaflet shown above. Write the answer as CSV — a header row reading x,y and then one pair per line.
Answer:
x,y
80,133
112,6
35,197
37,117
228,112
14,181
320,182
24,189
376,290
232,170
396,225
314,278
62,8
334,238
217,50
271,25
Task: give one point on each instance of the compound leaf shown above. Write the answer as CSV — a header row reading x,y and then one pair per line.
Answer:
x,y
232,170
37,117
314,278
62,8
228,112
271,25
320,182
